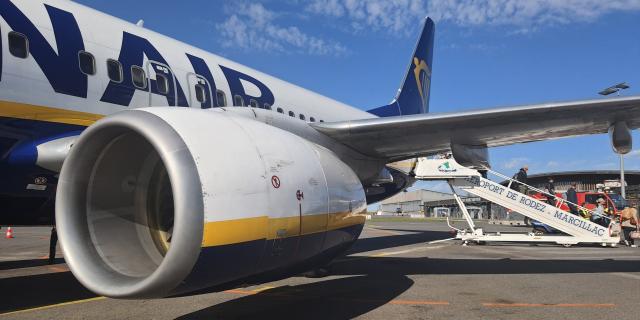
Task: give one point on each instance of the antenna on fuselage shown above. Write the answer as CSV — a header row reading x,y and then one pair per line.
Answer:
x,y
140,23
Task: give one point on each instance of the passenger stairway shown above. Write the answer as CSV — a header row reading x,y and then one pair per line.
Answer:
x,y
575,229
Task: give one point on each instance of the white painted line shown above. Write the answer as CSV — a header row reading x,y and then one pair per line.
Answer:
x,y
441,240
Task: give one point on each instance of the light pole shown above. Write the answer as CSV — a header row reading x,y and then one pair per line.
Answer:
x,y
616,89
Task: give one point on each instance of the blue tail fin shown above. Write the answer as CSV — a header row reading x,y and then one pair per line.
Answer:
x,y
413,96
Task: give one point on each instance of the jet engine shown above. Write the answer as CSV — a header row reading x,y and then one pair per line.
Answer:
x,y
163,201
621,139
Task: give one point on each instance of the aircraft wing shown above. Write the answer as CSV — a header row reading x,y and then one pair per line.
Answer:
x,y
401,137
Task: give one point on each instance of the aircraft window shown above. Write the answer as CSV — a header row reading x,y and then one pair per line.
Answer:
x,y
253,103
267,106
238,101
114,70
87,63
321,120
312,119
222,98
302,117
201,95
18,45
291,114
138,77
280,110
162,84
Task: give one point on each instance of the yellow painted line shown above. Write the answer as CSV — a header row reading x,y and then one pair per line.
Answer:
x,y
262,289
381,254
547,305
240,291
52,306
395,302
48,114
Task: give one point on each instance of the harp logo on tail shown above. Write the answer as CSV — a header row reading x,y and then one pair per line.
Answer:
x,y
422,73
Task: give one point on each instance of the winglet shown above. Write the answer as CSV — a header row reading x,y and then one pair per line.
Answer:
x,y
413,96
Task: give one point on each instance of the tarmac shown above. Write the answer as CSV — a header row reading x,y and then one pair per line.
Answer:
x,y
396,270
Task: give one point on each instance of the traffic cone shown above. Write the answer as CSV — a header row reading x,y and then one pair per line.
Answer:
x,y
9,234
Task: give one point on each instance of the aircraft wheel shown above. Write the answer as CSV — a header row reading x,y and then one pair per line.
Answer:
x,y
567,245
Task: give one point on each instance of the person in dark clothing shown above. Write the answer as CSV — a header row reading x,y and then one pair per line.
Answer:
x,y
521,177
53,242
572,197
551,190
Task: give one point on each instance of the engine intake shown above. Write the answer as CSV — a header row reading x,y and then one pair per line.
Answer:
x,y
129,207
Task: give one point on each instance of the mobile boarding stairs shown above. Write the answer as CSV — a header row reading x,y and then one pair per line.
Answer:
x,y
574,229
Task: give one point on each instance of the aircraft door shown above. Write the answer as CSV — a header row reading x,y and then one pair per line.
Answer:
x,y
200,93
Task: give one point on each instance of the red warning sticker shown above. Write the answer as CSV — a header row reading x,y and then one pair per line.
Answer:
x,y
275,182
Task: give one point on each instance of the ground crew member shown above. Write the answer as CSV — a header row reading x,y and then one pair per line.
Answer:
x,y
584,212
53,242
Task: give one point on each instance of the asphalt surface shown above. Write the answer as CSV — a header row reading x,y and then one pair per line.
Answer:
x,y
397,270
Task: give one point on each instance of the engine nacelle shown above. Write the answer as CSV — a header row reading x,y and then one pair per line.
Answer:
x,y
476,157
162,201
621,139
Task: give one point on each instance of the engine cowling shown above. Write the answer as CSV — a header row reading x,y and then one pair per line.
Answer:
x,y
162,201
621,139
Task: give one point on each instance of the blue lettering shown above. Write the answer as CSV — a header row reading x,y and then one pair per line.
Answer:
x,y
61,69
234,77
132,53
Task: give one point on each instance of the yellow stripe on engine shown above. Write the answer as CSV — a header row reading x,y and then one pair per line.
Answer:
x,y
48,114
218,233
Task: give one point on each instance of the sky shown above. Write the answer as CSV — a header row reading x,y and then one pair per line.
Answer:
x,y
490,53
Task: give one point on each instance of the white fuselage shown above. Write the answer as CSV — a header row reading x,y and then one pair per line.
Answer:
x,y
102,35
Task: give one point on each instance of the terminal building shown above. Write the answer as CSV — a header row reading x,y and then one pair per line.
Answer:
x,y
433,204
436,204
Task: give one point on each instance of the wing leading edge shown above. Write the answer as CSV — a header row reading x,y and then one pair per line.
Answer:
x,y
402,137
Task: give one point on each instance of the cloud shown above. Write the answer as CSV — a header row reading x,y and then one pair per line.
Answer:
x,y
514,163
254,27
402,15
553,164
528,14
390,15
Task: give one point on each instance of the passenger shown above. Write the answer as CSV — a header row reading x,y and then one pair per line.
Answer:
x,y
599,216
572,197
629,225
521,177
551,190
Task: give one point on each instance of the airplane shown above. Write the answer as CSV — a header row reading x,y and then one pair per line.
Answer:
x,y
170,170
